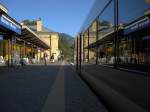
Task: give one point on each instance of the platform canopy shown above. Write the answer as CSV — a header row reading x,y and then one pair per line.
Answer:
x,y
31,37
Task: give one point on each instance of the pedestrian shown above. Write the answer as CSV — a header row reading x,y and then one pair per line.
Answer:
x,y
52,58
22,61
45,58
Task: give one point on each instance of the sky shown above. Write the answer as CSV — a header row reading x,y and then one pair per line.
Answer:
x,y
66,16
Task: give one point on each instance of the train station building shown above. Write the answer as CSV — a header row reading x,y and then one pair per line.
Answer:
x,y
18,42
48,36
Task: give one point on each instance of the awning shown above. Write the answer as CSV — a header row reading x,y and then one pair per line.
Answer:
x,y
107,38
30,36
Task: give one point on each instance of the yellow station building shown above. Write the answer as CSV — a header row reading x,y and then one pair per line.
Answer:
x,y
49,37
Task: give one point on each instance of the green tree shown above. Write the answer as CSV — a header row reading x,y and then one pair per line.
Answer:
x,y
29,22
66,48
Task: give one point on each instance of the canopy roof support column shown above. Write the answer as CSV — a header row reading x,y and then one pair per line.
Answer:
x,y
96,40
88,45
50,48
116,24
80,59
77,56
24,48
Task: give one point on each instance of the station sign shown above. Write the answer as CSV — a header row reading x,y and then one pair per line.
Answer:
x,y
146,38
9,24
136,26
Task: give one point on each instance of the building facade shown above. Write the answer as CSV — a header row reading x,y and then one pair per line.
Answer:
x,y
49,37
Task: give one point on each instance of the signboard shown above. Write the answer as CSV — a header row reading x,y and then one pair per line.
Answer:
x,y
143,23
146,38
9,24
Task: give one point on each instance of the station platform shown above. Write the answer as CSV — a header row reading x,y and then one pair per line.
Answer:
x,y
51,88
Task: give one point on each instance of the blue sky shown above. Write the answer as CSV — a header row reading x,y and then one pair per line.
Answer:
x,y
60,15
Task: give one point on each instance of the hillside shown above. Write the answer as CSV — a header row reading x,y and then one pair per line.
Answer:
x,y
66,45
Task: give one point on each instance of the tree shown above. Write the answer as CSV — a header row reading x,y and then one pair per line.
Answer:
x,y
29,22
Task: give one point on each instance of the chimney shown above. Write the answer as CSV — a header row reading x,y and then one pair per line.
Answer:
x,y
39,25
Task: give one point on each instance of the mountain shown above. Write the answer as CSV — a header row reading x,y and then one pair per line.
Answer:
x,y
69,38
66,45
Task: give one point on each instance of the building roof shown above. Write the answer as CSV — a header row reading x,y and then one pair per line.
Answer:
x,y
32,37
44,29
107,36
3,8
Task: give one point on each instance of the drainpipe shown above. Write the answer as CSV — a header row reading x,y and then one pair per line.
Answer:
x,y
88,46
